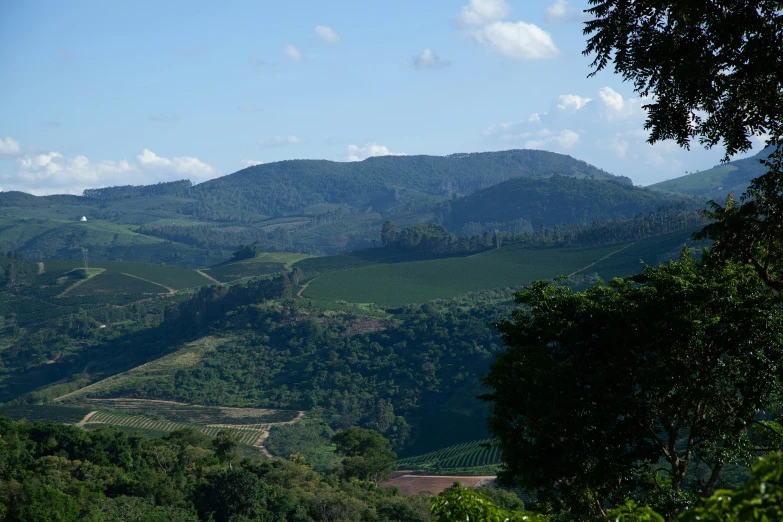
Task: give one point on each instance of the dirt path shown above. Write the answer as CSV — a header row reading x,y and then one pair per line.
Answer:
x,y
170,290
86,418
610,254
40,267
92,272
260,445
304,287
210,278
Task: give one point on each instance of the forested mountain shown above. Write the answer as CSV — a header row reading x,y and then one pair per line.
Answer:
x,y
383,183
558,200
316,206
716,183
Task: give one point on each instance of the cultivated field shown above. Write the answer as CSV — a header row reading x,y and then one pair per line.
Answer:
x,y
114,283
513,266
267,263
247,436
250,418
172,277
470,458
421,281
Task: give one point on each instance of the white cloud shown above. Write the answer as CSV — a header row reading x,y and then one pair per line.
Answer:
x,y
619,146
480,12
246,107
547,139
357,153
517,40
605,129
279,141
427,59
616,107
52,173
293,53
561,11
250,163
571,102
9,147
184,165
327,34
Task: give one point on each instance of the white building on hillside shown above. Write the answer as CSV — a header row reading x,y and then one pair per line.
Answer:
x,y
84,218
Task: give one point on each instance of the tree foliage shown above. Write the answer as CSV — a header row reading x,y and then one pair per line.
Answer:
x,y
596,387
712,70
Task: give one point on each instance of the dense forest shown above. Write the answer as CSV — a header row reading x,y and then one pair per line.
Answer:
x,y
56,472
558,200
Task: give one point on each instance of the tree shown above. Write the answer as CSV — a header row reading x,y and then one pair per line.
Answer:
x,y
596,387
225,445
388,233
759,499
460,504
367,455
714,72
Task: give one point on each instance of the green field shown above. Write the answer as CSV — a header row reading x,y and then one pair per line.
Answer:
x,y
233,271
44,413
512,266
114,283
467,458
267,263
172,277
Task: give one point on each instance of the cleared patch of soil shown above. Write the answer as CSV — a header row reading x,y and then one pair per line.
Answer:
x,y
413,484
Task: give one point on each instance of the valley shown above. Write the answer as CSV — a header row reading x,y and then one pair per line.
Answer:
x,y
165,331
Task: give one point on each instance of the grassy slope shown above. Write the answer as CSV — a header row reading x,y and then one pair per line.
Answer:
x,y
512,266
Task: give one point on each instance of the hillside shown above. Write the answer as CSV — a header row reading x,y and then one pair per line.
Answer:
x,y
552,201
398,283
311,206
718,182
43,238
385,183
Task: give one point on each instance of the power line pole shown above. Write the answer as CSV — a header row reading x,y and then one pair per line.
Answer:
x,y
84,255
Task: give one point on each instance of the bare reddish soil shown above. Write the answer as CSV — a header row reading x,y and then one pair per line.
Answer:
x,y
412,484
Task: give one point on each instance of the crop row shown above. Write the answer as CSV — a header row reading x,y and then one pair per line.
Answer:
x,y
204,415
467,455
244,435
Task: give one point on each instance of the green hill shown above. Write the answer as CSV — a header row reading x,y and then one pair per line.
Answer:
x,y
43,238
716,183
312,206
554,201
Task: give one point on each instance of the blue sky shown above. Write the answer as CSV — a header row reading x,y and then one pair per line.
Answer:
x,y
101,93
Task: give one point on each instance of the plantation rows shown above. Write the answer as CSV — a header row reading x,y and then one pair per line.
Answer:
x,y
244,436
467,455
192,414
